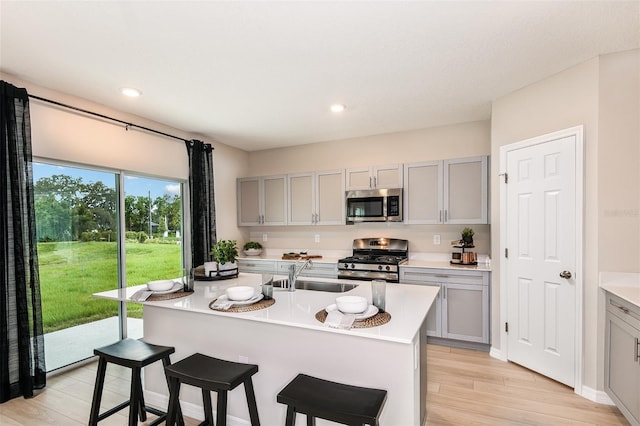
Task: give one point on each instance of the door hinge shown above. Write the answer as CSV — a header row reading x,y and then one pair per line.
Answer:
x,y
506,177
506,253
506,327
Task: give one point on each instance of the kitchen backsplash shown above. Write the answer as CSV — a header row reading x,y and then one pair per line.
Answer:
x,y
421,237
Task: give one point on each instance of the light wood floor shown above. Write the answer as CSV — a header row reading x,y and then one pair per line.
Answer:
x,y
465,388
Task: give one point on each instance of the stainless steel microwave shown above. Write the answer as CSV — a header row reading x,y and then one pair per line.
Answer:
x,y
374,205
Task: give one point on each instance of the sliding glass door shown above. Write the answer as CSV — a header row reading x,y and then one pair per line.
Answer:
x,y
78,226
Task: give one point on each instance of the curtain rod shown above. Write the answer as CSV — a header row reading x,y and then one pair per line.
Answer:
x,y
127,124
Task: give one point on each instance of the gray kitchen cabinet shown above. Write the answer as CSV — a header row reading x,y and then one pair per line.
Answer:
x,y
262,200
257,266
461,310
315,269
622,357
316,198
386,176
451,191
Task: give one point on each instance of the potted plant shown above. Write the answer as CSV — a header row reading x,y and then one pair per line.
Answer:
x,y
252,248
225,252
467,237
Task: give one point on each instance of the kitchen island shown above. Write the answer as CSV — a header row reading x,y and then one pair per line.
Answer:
x,y
286,339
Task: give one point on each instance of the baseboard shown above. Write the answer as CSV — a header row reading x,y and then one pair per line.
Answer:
x,y
594,395
189,409
497,354
458,343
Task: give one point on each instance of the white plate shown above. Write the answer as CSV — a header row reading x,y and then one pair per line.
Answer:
x,y
176,287
223,299
371,311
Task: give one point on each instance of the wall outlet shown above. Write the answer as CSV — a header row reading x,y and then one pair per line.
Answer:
x,y
264,238
316,238
243,359
436,239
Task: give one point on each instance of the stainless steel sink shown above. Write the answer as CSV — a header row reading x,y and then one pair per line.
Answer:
x,y
303,284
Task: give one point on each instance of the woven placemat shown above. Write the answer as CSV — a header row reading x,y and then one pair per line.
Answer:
x,y
378,319
264,303
176,295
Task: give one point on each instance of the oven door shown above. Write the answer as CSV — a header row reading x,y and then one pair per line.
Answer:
x,y
363,207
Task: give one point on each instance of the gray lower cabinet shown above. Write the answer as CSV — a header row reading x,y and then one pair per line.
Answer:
x,y
315,269
257,266
461,310
281,267
622,357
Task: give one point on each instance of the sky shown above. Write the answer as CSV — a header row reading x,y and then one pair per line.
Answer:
x,y
133,185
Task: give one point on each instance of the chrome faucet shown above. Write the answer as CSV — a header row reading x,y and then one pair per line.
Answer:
x,y
294,271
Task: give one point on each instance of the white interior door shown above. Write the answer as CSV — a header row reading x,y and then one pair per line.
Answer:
x,y
541,266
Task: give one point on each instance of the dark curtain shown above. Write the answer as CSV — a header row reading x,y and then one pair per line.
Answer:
x,y
203,209
22,365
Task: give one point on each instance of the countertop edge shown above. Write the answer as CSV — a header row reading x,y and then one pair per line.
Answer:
x,y
623,285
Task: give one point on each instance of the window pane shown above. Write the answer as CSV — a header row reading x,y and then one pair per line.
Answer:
x,y
76,228
153,220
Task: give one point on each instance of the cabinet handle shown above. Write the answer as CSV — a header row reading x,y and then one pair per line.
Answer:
x,y
623,309
445,216
375,182
440,220
637,354
442,276
317,217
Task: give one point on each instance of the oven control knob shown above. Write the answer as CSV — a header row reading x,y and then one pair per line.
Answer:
x,y
353,266
388,268
379,267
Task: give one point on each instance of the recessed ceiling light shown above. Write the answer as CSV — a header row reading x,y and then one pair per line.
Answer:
x,y
338,107
131,92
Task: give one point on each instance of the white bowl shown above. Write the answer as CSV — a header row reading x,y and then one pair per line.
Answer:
x,y
160,285
352,304
240,293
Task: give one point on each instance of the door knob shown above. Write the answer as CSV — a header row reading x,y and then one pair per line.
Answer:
x,y
565,274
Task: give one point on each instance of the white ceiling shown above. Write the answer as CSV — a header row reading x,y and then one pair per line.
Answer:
x,y
259,75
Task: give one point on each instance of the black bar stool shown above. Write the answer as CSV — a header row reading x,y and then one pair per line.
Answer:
x,y
133,354
211,374
336,402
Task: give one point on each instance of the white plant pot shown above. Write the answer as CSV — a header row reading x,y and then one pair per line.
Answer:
x,y
229,268
252,252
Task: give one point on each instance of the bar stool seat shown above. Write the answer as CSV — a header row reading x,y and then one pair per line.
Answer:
x,y
336,402
134,354
211,374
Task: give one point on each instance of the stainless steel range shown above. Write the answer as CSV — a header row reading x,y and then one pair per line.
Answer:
x,y
375,259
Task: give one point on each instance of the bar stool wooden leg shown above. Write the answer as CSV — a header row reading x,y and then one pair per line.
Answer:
x,y
134,402
221,415
291,416
251,402
208,408
97,392
178,418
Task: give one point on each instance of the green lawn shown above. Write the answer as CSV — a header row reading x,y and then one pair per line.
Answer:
x,y
70,272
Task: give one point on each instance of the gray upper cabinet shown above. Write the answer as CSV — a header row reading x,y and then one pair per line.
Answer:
x,y
316,198
446,192
386,176
262,200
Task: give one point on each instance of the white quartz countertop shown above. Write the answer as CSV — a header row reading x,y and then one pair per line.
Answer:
x,y
438,264
414,263
625,285
407,304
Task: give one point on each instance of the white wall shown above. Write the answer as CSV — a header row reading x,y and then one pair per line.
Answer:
x,y
437,143
61,134
602,95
